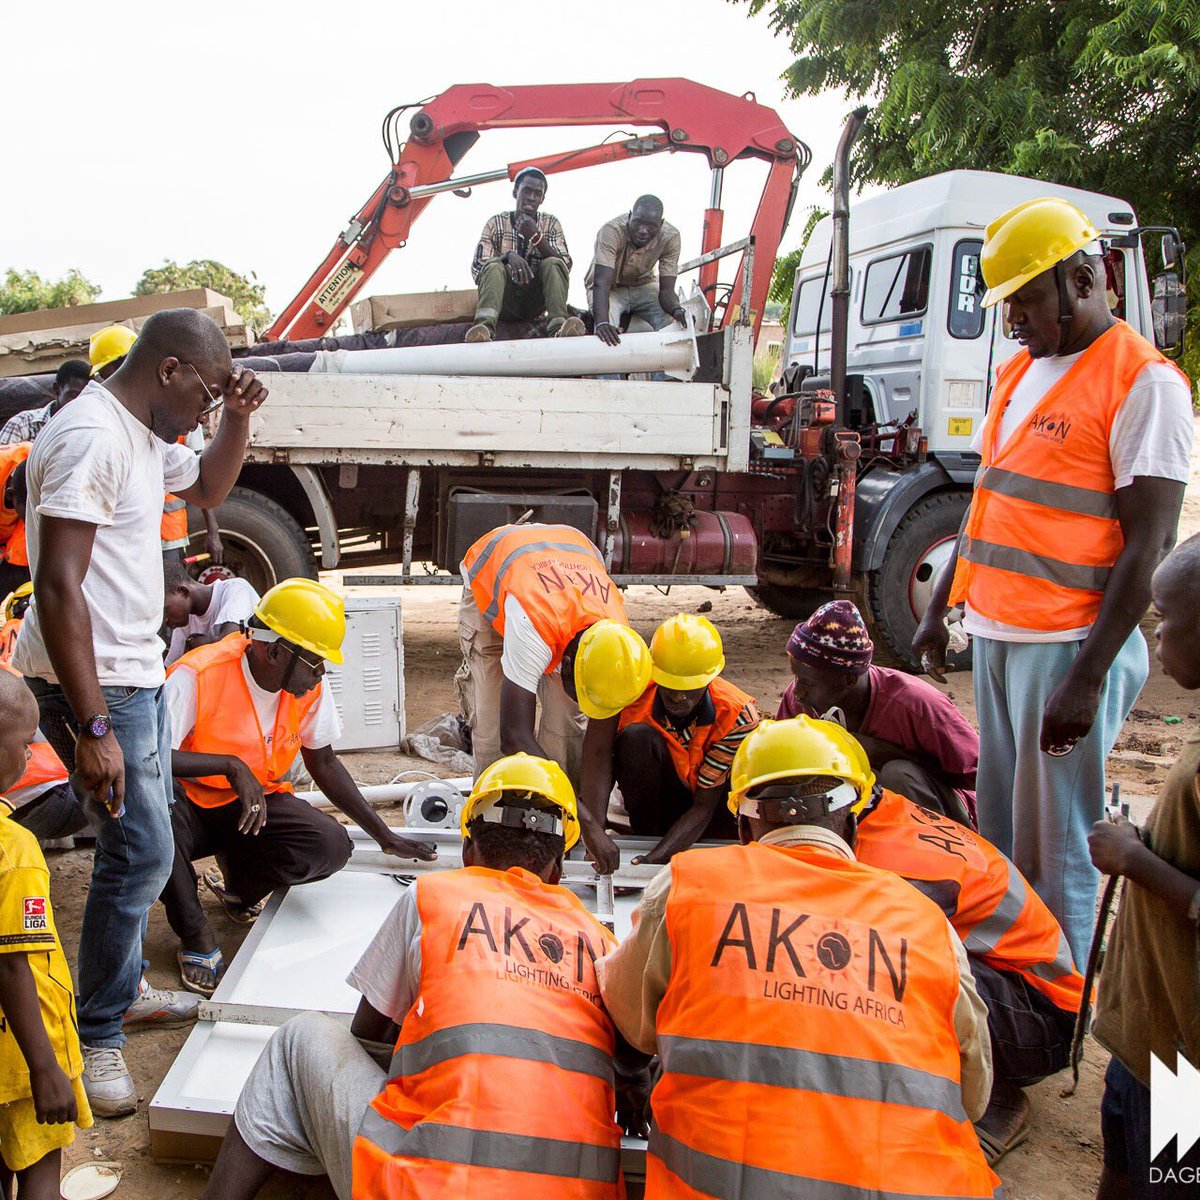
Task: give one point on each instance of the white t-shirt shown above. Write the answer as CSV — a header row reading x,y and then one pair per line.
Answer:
x,y
389,973
233,600
96,462
1151,437
322,726
525,657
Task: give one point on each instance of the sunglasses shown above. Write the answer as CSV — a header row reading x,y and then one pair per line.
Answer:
x,y
213,393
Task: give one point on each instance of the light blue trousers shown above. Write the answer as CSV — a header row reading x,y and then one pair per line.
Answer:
x,y
1034,807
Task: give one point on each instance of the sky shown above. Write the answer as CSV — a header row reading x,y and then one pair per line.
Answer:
x,y
249,132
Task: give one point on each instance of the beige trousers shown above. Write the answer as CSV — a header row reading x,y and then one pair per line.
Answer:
x,y
478,681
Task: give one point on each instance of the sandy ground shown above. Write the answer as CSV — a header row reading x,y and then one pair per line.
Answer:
x,y
1061,1159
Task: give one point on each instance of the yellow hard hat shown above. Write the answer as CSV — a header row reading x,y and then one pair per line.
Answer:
x,y
524,780
801,746
1027,240
612,669
14,598
686,653
307,614
109,344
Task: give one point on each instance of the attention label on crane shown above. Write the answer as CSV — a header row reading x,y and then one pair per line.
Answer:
x,y
337,287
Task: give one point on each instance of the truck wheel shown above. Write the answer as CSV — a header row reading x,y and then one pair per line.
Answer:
x,y
793,602
899,591
263,542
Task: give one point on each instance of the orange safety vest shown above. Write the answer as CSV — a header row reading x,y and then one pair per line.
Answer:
x,y
12,528
227,723
44,766
1042,532
501,1084
807,1034
555,572
174,527
8,639
999,917
727,700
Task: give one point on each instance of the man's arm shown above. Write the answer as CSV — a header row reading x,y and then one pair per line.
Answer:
x,y
932,637
518,719
596,780
331,776
602,282
1117,849
688,828
974,1044
668,300
370,1025
1148,512
212,536
187,765
221,462
66,553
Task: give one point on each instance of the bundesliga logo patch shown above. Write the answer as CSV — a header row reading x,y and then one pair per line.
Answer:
x,y
35,913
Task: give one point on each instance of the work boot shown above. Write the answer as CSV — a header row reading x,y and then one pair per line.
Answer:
x,y
571,327
161,1009
481,331
107,1081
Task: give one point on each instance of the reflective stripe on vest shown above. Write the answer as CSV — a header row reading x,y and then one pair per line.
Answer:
x,y
729,701
227,722
719,1177
993,909
555,572
1042,533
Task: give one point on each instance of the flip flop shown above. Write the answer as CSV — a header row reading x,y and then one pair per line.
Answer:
x,y
235,910
1003,1128
200,973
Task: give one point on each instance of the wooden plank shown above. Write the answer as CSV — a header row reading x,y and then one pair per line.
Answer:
x,y
109,311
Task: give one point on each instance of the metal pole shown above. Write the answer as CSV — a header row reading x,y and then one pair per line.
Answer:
x,y
452,185
612,518
839,293
412,496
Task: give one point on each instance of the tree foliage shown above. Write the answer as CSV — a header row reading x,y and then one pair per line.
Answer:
x,y
27,291
783,278
247,294
1098,94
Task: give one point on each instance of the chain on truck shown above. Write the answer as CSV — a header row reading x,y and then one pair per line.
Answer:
x,y
851,478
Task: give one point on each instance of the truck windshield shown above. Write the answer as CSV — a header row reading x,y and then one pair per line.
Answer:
x,y
897,286
812,298
965,319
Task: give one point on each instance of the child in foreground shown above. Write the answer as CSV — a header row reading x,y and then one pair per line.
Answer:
x,y
1148,1004
41,1089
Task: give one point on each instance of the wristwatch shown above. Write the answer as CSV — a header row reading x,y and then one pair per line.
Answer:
x,y
97,726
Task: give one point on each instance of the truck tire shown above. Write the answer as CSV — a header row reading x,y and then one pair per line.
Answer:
x,y
795,603
264,544
898,591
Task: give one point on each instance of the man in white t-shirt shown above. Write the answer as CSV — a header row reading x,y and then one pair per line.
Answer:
x,y
1085,456
199,613
241,709
90,650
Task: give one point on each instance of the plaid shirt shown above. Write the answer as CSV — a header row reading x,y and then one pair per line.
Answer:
x,y
25,426
714,770
499,237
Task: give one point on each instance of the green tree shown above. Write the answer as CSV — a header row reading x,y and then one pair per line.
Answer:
x,y
247,294
1099,94
27,291
783,277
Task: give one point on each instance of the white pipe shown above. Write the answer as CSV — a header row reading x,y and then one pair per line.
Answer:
x,y
385,793
672,351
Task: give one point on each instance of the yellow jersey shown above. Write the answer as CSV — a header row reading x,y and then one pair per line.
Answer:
x,y
27,927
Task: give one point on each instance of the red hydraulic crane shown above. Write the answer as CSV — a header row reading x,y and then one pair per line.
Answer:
x,y
689,116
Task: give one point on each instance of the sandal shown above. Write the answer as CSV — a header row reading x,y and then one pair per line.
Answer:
x,y
200,973
1005,1125
235,910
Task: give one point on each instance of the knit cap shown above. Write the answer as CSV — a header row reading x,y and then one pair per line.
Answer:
x,y
835,637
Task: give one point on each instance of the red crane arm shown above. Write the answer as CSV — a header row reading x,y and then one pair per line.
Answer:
x,y
691,117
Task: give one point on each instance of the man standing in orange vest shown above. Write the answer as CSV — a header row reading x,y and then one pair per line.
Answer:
x,y
241,709
540,620
818,1027
481,990
670,750
1085,454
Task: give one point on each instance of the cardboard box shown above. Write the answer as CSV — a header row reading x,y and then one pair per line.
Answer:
x,y
381,313
110,312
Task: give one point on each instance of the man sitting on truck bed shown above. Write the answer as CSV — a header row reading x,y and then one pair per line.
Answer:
x,y
522,266
621,277
670,750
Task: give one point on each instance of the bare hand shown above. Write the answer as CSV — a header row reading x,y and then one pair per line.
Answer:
x,y
519,270
244,392
101,768
214,546
603,851
402,847
53,1098
527,226
1112,844
250,794
929,645
1070,713
608,333
680,316
633,1102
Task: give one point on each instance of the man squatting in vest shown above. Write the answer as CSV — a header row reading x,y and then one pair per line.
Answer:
x,y
1085,455
818,1027
480,993
670,750
541,621
241,709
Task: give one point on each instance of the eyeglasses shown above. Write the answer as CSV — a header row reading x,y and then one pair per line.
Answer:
x,y
217,399
314,665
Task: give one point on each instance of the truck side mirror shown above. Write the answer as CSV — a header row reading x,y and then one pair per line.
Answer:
x,y
1169,311
1172,251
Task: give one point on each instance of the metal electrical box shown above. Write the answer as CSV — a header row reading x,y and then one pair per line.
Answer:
x,y
368,687
471,514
